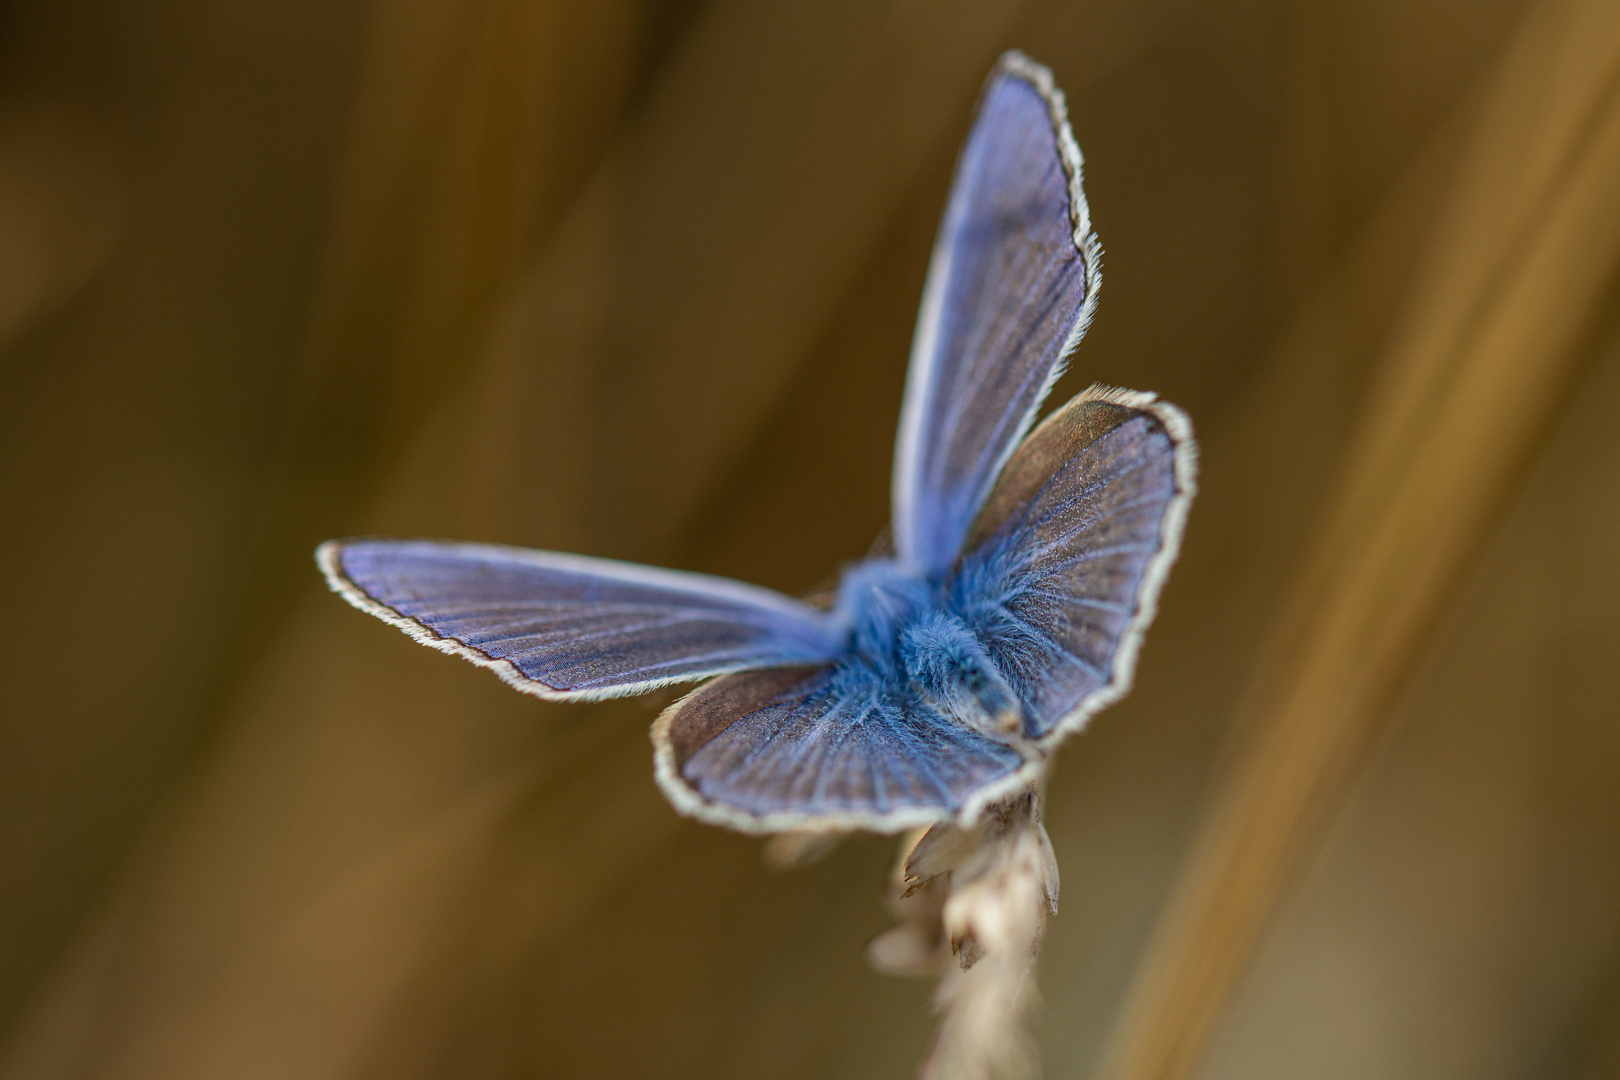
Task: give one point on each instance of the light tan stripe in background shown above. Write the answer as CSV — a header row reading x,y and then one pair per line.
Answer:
x,y
1500,321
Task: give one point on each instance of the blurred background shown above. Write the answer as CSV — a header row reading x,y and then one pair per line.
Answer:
x,y
637,278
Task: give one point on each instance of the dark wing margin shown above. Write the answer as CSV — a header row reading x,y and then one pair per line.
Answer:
x,y
572,628
1071,551
1012,285
824,748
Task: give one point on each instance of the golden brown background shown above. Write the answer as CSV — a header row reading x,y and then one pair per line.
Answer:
x,y
636,278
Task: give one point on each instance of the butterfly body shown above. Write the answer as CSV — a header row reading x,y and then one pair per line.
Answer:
x,y
1024,568
920,636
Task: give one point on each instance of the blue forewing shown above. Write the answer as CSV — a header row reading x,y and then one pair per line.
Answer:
x,y
1011,286
1022,575
571,627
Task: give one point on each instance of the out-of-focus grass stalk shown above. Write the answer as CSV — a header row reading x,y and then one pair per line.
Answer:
x,y
1498,321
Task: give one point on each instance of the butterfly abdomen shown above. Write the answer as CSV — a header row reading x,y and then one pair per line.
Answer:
x,y
903,630
948,664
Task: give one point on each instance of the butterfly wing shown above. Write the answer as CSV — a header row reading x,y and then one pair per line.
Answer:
x,y
569,627
1068,556
1011,287
835,747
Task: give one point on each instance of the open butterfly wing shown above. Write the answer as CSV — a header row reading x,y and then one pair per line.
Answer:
x,y
1011,286
824,748
1067,542
1068,556
570,627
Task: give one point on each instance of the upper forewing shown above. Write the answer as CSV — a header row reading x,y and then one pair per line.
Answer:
x,y
566,626
1011,286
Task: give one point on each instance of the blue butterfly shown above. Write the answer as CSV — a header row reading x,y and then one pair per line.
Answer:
x,y
1003,609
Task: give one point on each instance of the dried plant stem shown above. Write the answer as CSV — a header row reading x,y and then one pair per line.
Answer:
x,y
978,897
994,924
1519,263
